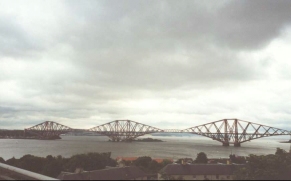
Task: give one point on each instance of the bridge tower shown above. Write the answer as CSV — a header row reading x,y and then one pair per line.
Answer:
x,y
226,138
236,140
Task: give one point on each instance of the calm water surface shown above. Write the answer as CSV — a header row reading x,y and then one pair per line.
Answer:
x,y
173,147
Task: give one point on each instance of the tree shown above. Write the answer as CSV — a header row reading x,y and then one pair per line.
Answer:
x,y
147,164
266,167
165,163
154,166
90,161
201,158
31,163
52,166
143,163
280,152
237,160
2,160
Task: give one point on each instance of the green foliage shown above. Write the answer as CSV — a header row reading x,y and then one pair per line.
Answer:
x,y
2,160
11,161
237,160
165,163
154,166
90,161
148,165
280,152
266,167
31,163
52,166
201,158
143,163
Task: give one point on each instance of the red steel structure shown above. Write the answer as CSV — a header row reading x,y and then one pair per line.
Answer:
x,y
124,130
235,131
49,130
226,131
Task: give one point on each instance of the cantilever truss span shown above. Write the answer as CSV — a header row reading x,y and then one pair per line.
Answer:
x,y
226,131
49,130
124,130
235,131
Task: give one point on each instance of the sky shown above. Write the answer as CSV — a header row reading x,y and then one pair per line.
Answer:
x,y
167,64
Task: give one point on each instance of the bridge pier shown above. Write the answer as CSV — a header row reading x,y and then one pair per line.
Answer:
x,y
225,144
236,144
115,140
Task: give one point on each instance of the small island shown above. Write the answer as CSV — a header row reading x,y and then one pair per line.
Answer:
x,y
148,140
286,141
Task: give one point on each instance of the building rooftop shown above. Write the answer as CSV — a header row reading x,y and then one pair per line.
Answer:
x,y
126,158
159,160
116,173
199,169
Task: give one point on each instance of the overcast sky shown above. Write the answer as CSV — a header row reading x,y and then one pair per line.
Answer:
x,y
168,64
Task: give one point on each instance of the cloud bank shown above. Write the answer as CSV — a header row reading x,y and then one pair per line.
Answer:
x,y
168,64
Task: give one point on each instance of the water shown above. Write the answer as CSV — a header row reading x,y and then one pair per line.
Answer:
x,y
173,147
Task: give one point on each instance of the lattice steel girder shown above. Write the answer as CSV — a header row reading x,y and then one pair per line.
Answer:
x,y
124,129
235,131
48,129
227,131
172,131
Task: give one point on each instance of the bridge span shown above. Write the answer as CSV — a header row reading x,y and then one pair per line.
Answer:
x,y
226,131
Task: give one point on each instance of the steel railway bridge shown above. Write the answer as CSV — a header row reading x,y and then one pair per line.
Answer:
x,y
226,131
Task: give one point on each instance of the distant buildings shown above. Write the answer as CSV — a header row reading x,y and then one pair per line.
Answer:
x,y
197,172
184,170
169,172
122,160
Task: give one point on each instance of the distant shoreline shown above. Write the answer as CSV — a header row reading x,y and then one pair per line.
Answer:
x,y
148,140
286,141
15,138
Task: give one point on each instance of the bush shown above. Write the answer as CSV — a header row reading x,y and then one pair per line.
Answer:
x,y
2,160
53,166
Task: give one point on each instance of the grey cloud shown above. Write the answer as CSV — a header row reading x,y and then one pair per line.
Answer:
x,y
243,25
15,41
118,51
252,24
134,43
6,109
18,124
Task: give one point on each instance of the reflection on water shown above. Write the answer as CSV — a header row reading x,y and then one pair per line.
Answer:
x,y
173,147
